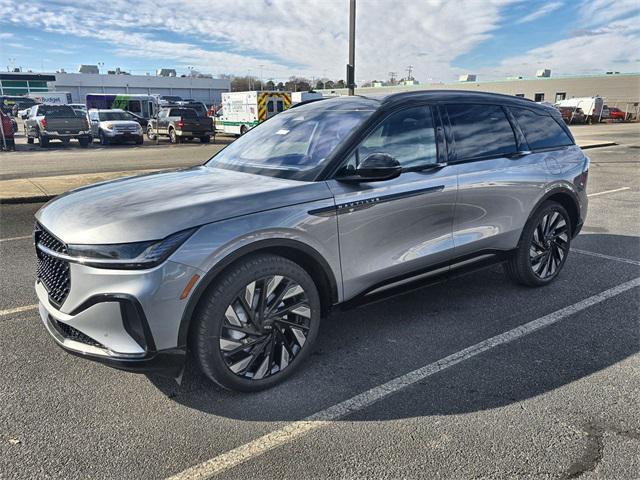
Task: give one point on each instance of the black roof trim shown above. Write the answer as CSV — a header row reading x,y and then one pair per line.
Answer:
x,y
463,96
27,76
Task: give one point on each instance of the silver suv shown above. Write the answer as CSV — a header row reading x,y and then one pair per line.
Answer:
x,y
236,261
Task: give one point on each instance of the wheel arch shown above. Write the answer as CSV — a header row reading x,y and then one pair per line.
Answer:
x,y
568,199
304,255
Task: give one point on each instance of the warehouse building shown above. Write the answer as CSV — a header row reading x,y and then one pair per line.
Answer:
x,y
617,89
207,90
202,89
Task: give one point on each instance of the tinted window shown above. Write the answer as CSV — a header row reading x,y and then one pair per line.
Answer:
x,y
481,131
56,111
270,106
183,112
280,105
540,130
407,136
135,106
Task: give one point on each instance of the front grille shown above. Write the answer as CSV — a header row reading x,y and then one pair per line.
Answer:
x,y
67,331
53,272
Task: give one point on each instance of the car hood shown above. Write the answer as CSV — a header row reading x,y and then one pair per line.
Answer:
x,y
152,206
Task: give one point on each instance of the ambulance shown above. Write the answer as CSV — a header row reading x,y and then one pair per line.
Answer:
x,y
242,111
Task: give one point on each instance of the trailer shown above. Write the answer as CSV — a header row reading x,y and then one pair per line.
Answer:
x,y
591,106
242,111
51,98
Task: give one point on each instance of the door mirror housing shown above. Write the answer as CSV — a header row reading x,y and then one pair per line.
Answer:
x,y
376,167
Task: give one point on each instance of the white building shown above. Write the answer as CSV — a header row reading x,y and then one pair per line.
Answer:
x,y
207,90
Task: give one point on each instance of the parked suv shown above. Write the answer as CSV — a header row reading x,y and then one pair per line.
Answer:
x,y
115,125
336,201
57,122
179,123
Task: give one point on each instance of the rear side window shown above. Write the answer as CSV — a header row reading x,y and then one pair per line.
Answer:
x,y
481,131
540,130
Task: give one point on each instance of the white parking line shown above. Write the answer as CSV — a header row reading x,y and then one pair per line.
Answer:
x,y
324,417
607,257
15,238
10,311
609,191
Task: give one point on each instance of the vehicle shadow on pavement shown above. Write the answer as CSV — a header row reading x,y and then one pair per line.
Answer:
x,y
362,348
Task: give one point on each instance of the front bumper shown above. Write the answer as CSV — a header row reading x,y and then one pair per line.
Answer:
x,y
135,329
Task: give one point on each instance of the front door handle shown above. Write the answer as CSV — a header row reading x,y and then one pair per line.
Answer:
x,y
520,154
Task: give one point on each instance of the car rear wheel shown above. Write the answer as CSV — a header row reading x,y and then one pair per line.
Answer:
x,y
243,129
257,324
543,247
173,138
205,139
43,140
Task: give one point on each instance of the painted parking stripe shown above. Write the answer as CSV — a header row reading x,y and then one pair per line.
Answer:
x,y
324,417
607,257
10,239
11,311
606,192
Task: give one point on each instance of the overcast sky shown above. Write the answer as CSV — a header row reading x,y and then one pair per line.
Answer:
x,y
440,38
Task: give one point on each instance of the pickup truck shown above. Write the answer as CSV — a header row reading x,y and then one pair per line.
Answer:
x,y
57,122
180,124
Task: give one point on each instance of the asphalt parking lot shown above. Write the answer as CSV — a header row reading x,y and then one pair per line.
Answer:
x,y
474,378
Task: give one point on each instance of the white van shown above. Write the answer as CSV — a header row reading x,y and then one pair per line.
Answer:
x,y
242,111
591,106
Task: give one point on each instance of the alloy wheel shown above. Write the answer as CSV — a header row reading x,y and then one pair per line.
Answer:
x,y
265,327
549,245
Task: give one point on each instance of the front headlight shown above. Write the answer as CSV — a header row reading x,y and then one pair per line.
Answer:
x,y
108,126
137,255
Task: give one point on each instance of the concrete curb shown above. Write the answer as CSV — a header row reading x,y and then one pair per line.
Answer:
x,y
598,145
20,200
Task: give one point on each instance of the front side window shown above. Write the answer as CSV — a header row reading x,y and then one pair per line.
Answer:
x,y
135,106
540,130
481,131
408,136
295,143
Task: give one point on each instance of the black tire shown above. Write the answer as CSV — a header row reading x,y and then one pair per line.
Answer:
x,y
541,252
140,140
103,138
173,138
84,142
205,139
150,135
43,140
30,140
211,326
243,129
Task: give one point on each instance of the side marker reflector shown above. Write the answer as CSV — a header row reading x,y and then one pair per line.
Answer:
x,y
187,289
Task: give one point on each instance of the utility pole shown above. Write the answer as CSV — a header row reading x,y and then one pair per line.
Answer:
x,y
392,77
351,67
261,84
409,70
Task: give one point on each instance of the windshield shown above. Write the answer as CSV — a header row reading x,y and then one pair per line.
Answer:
x,y
295,143
109,116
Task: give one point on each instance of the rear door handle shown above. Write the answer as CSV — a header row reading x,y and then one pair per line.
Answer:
x,y
520,154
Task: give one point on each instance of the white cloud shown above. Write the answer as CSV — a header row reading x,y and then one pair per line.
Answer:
x,y
602,44
285,36
309,38
540,12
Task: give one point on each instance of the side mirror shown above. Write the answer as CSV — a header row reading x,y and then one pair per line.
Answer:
x,y
375,168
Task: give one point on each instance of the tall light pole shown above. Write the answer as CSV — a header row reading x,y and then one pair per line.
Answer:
x,y
351,67
261,84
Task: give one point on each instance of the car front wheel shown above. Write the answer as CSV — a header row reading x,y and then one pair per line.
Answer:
x,y
257,324
543,247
